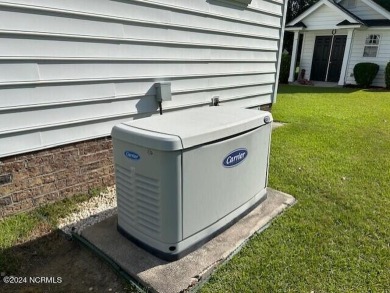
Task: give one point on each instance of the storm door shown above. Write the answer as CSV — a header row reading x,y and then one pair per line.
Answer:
x,y
328,58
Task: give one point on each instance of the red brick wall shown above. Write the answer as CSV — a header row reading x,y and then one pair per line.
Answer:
x,y
49,175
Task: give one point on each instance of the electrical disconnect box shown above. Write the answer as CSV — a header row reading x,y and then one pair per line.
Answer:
x,y
183,177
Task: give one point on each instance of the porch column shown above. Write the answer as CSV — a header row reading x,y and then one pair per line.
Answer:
x,y
346,57
294,57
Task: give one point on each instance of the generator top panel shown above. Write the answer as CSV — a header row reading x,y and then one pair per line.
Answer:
x,y
182,130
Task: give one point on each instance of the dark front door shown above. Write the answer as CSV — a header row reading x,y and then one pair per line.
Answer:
x,y
336,59
325,68
320,58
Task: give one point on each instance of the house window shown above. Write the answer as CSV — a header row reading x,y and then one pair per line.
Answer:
x,y
371,46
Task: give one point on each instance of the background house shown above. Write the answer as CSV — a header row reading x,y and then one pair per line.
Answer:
x,y
339,34
70,70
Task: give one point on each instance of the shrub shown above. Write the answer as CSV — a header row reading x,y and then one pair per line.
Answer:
x,y
284,68
365,73
387,76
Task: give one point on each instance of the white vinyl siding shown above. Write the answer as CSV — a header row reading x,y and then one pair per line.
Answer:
x,y
307,53
70,70
323,18
382,58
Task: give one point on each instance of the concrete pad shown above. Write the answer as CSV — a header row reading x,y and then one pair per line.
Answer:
x,y
157,275
277,124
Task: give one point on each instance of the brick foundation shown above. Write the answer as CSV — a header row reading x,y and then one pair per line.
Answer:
x,y
30,180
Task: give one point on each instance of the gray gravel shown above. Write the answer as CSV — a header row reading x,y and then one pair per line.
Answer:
x,y
90,212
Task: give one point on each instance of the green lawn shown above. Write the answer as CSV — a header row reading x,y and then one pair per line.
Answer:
x,y
334,157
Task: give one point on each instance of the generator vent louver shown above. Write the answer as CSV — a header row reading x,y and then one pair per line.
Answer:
x,y
141,201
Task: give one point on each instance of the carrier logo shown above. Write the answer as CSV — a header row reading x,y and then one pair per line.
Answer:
x,y
132,155
235,157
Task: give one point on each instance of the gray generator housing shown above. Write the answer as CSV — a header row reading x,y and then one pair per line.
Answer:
x,y
182,177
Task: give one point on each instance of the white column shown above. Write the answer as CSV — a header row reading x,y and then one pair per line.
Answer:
x,y
346,57
294,57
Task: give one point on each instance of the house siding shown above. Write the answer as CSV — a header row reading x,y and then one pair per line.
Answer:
x,y
322,18
70,70
382,58
307,53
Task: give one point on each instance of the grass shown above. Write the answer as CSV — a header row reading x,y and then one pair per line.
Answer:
x,y
23,227
334,157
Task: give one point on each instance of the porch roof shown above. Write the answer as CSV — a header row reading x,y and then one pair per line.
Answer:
x,y
349,16
297,25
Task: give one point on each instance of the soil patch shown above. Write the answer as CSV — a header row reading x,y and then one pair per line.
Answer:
x,y
68,266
